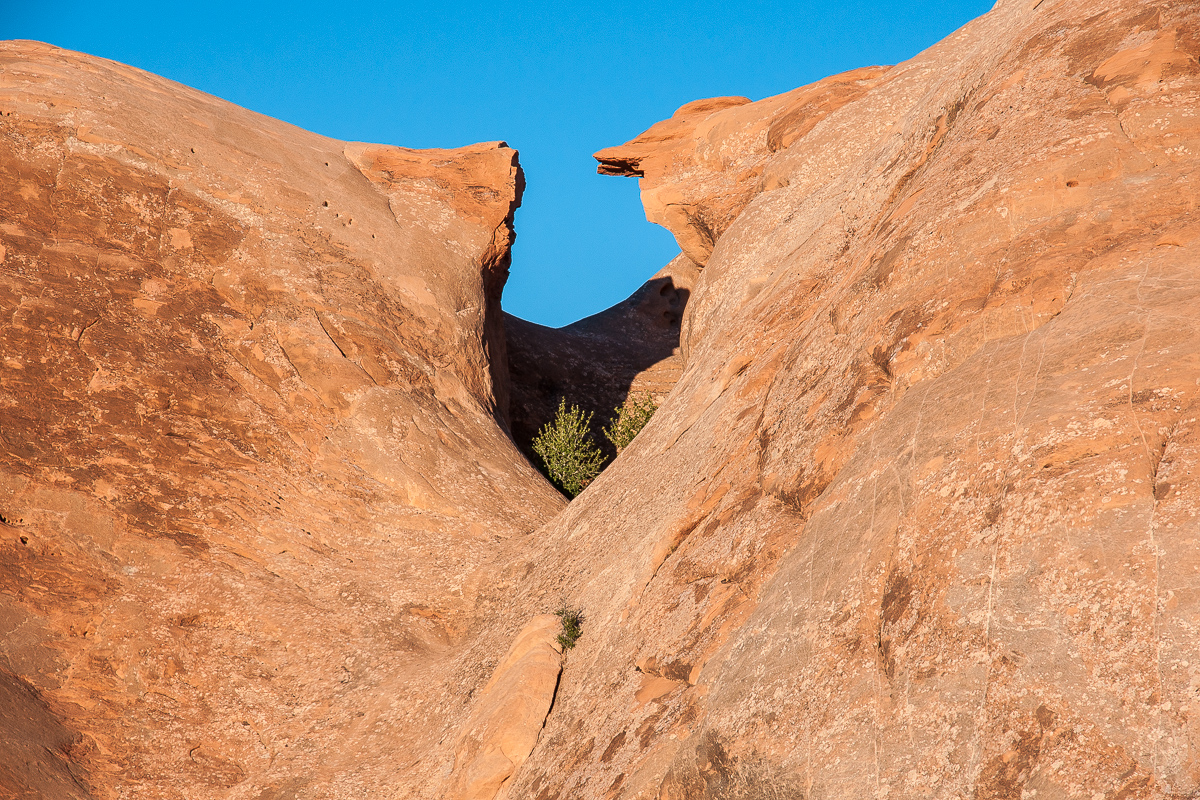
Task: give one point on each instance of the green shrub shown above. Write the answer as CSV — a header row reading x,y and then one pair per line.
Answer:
x,y
572,624
630,419
567,450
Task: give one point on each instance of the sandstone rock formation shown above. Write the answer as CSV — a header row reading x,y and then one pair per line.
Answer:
x,y
702,166
251,475
918,518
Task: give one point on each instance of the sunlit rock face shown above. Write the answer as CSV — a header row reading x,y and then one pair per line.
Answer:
x,y
917,517
252,477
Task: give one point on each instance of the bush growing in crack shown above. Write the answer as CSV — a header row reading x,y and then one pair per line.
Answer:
x,y
630,419
567,449
572,626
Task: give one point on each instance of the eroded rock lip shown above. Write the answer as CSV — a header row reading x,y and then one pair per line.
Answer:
x,y
703,165
508,716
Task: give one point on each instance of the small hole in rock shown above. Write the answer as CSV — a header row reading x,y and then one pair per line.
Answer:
x,y
193,149
326,204
1072,183
24,540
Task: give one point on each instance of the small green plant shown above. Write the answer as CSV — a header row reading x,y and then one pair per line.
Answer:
x,y
567,449
630,419
572,626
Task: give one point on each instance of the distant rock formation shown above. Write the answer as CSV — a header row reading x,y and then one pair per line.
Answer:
x,y
917,518
597,362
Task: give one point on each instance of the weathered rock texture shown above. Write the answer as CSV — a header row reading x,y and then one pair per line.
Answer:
x,y
507,718
252,481
918,519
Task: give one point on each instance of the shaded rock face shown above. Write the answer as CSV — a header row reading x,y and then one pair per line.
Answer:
x,y
597,362
39,753
919,518
251,471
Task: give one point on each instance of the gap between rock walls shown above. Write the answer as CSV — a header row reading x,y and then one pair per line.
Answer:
x,y
914,518
631,350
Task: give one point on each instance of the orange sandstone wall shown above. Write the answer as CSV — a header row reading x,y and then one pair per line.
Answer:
x,y
917,519
920,517
251,476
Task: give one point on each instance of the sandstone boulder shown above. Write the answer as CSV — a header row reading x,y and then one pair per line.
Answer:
x,y
508,716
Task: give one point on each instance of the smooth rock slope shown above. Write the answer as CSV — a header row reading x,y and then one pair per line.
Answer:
x,y
920,517
253,469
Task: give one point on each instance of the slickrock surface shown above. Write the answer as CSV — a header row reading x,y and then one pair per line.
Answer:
x,y
919,519
252,481
597,362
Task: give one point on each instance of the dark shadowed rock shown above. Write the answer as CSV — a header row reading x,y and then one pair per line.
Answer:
x,y
597,362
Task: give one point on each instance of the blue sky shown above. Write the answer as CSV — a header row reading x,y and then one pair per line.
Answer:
x,y
558,81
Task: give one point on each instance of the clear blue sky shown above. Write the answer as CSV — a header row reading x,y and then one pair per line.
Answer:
x,y
558,81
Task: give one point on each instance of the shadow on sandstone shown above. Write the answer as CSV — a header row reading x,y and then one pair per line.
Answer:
x,y
41,753
598,361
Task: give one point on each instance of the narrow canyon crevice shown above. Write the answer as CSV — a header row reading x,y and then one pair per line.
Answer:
x,y
597,362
